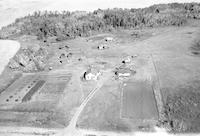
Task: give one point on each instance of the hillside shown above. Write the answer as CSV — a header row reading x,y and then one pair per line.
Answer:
x,y
67,25
53,26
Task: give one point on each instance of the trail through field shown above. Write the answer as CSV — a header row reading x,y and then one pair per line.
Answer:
x,y
71,129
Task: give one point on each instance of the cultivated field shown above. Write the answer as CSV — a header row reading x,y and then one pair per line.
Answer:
x,y
138,101
33,99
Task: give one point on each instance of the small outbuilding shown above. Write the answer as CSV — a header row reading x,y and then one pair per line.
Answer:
x,y
102,47
62,55
63,47
109,39
50,68
127,60
69,55
134,56
124,72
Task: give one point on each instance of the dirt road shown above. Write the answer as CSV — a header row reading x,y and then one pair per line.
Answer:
x,y
71,129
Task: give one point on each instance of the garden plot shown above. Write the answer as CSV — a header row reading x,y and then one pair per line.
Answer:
x,y
58,77
33,90
50,92
37,97
138,101
53,88
28,86
14,93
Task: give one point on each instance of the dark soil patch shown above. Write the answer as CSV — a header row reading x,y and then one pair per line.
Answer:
x,y
196,52
33,90
189,32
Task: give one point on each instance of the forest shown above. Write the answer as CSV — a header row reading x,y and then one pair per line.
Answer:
x,y
66,25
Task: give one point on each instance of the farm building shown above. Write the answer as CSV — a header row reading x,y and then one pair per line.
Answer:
x,y
127,60
50,68
62,56
102,47
124,72
109,39
91,74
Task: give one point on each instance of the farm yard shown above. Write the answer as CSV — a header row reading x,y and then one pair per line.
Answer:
x,y
124,104
138,83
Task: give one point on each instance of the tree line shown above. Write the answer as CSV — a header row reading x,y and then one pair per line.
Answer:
x,y
64,25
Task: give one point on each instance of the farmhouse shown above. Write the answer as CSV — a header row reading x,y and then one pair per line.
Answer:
x,y
91,74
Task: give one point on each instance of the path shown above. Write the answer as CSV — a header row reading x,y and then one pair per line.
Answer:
x,y
71,129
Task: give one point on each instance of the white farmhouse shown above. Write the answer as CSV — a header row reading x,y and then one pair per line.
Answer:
x,y
91,74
